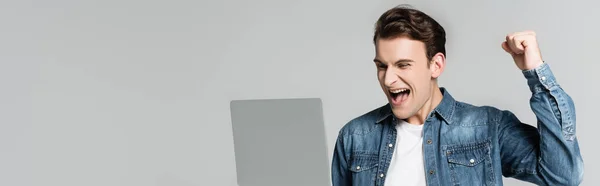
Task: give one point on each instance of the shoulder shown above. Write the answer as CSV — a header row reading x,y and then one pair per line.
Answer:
x,y
365,123
466,113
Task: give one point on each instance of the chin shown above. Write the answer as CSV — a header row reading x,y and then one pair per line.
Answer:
x,y
401,113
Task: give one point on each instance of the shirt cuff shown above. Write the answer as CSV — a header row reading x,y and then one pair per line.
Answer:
x,y
540,79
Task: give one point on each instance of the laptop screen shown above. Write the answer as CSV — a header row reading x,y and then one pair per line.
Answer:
x,y
280,142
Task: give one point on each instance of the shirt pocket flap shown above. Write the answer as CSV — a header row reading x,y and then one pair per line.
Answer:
x,y
363,162
468,154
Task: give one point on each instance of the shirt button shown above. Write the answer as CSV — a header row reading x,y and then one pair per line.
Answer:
x,y
390,145
472,161
429,141
357,167
381,175
543,78
431,172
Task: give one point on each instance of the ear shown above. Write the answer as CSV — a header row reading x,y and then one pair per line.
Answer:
x,y
437,65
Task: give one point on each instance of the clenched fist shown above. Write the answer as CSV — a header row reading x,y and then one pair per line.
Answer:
x,y
523,48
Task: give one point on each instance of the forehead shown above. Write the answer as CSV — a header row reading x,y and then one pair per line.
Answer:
x,y
389,50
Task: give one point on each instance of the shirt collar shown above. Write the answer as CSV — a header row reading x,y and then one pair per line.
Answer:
x,y
445,109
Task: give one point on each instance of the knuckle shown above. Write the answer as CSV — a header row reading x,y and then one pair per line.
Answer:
x,y
519,38
515,39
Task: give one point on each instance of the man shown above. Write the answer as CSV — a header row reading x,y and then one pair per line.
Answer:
x,y
425,137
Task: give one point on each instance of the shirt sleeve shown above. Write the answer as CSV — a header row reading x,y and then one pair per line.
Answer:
x,y
340,175
548,154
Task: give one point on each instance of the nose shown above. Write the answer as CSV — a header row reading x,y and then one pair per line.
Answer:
x,y
390,78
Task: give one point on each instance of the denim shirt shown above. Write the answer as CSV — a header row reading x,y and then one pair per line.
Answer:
x,y
465,144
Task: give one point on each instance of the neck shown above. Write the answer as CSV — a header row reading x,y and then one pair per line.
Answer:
x,y
433,101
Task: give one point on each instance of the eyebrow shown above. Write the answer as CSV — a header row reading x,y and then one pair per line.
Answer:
x,y
399,61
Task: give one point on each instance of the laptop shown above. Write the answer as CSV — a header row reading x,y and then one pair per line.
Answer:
x,y
280,142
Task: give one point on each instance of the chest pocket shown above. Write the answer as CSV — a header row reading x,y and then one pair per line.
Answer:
x,y
363,168
470,164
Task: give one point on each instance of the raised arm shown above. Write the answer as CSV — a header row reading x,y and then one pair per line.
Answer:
x,y
548,154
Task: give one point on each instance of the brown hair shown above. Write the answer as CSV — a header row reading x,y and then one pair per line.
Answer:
x,y
405,21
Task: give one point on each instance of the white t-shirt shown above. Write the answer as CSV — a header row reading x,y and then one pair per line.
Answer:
x,y
407,167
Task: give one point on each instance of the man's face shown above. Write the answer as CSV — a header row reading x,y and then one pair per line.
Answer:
x,y
404,74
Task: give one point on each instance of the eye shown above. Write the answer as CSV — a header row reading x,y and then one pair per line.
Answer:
x,y
381,66
403,65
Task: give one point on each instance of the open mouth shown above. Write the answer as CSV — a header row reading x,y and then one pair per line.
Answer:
x,y
399,95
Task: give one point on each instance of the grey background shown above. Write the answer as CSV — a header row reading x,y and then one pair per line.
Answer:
x,y
280,142
136,93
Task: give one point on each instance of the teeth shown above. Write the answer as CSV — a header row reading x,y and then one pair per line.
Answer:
x,y
398,90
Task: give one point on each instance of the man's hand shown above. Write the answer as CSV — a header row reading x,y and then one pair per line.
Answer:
x,y
523,48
